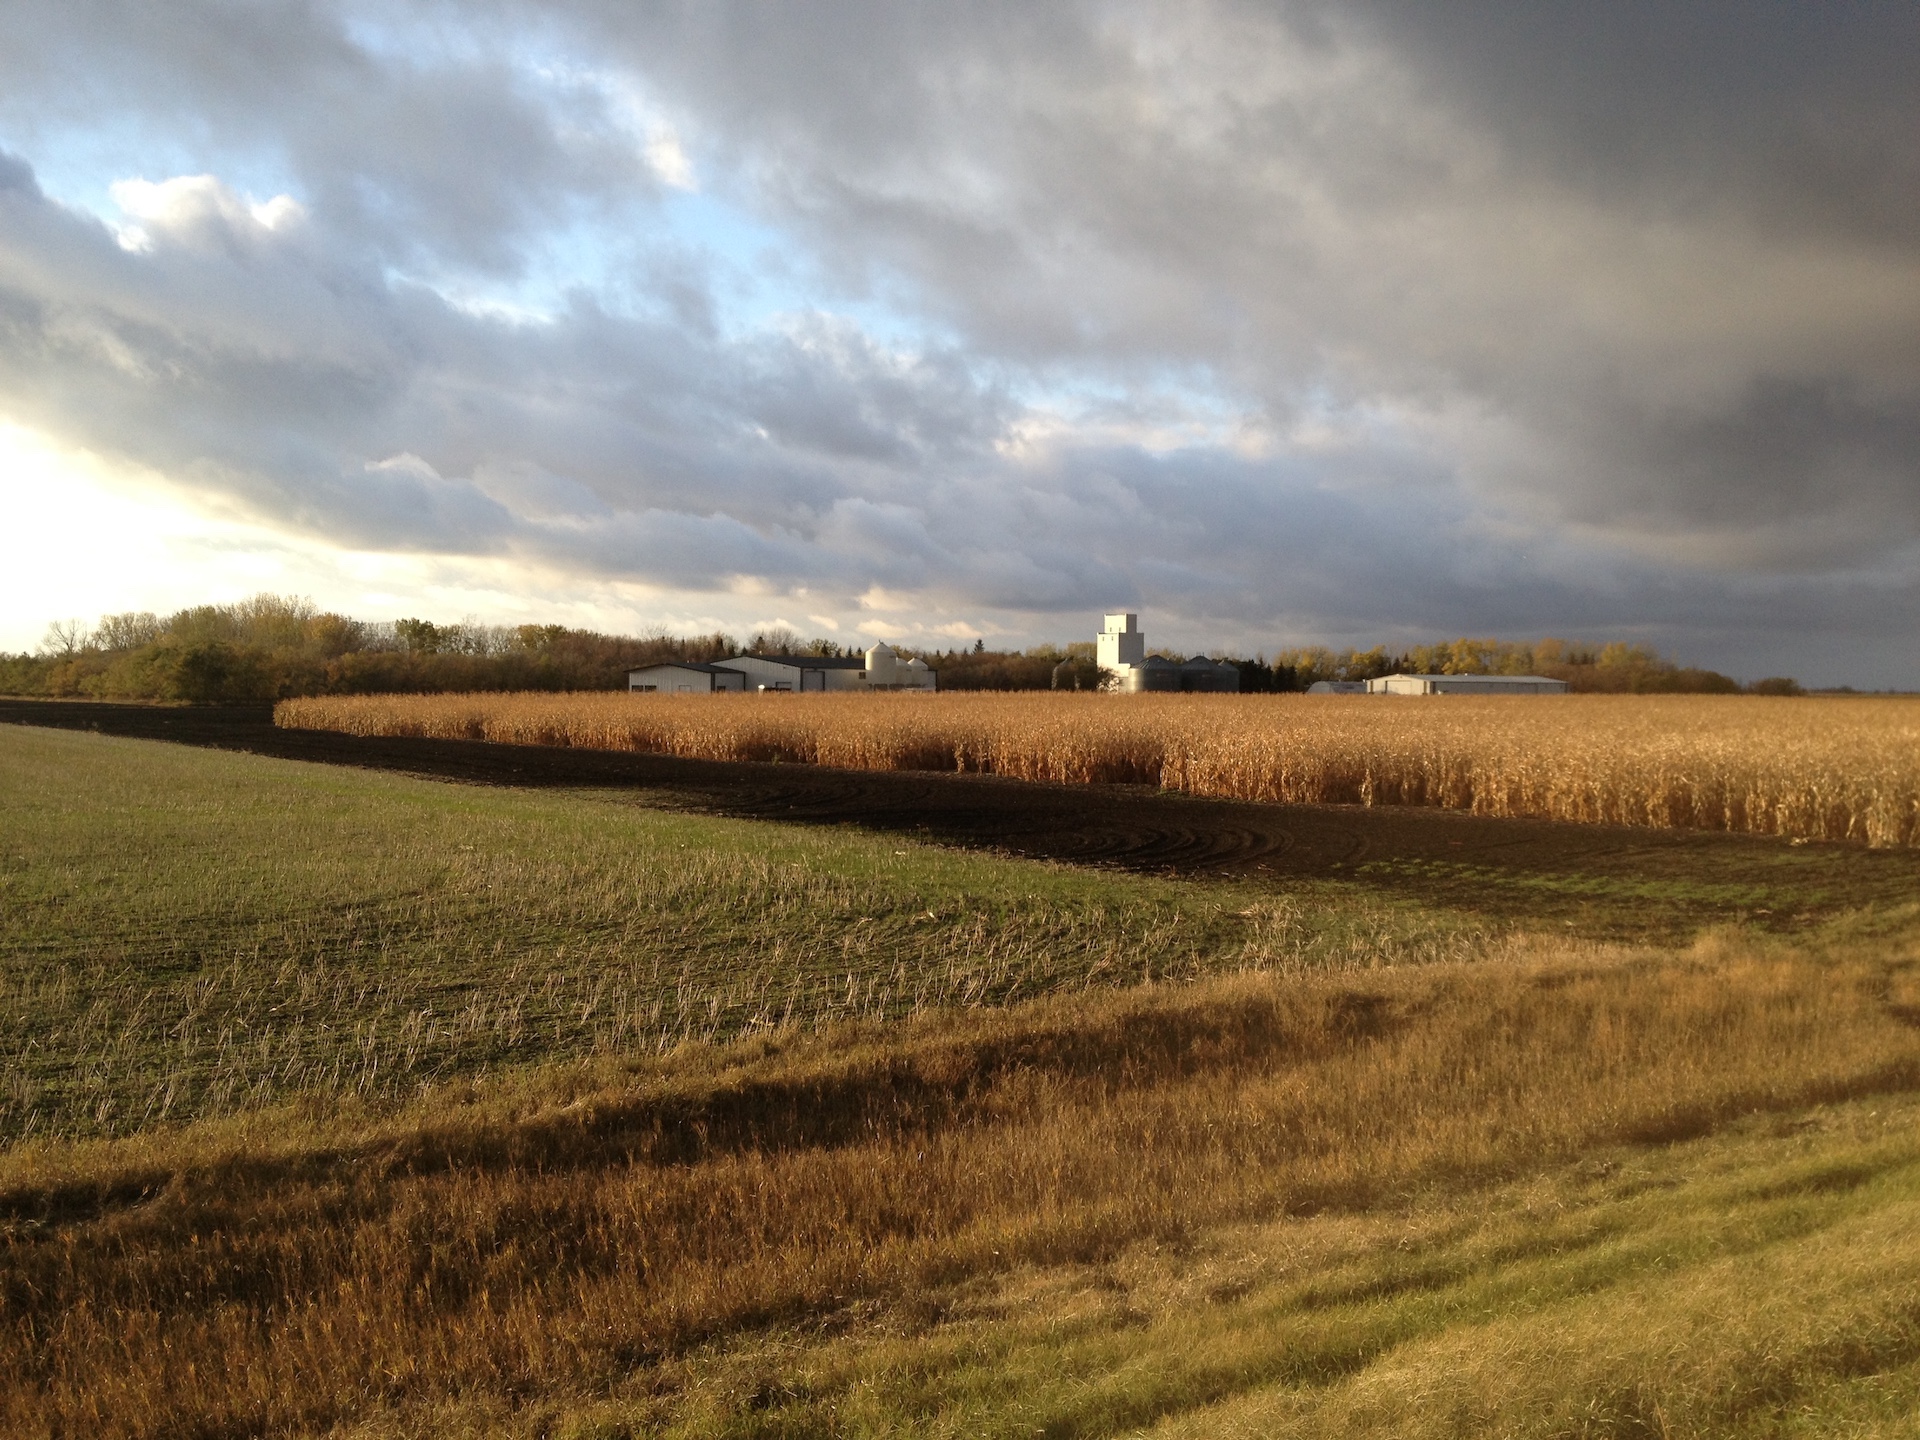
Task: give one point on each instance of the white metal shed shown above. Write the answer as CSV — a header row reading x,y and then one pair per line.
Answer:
x,y
1466,685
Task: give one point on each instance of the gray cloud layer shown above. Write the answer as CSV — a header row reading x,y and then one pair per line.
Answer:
x,y
1357,319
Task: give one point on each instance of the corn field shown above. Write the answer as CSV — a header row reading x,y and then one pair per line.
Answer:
x,y
1809,768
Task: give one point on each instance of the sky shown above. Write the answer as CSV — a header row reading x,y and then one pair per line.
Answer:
x,y
1283,324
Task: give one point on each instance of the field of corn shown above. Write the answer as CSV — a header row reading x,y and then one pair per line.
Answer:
x,y
1826,768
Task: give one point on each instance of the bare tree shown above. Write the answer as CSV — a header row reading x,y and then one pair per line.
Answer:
x,y
66,638
776,640
128,631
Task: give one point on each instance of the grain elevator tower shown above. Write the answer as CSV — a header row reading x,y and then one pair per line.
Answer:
x,y
1122,649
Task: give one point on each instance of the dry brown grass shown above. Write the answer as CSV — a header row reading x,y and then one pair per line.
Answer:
x,y
279,1274
1820,769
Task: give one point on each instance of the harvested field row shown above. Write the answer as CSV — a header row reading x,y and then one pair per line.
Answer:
x,y
1814,769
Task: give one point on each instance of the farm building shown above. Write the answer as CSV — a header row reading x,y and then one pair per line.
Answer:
x,y
879,669
887,671
1122,648
1466,685
1198,675
799,672
685,676
1337,687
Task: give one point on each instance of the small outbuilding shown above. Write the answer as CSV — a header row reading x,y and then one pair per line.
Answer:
x,y
1337,687
1466,685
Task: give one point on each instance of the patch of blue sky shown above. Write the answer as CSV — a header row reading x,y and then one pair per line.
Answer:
x,y
896,327
624,252
584,257
625,257
640,258
756,271
763,278
410,34
79,165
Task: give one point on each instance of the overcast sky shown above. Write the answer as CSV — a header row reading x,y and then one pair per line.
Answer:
x,y
1281,323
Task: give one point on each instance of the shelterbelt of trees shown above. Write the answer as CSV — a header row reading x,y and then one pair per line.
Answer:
x,y
273,647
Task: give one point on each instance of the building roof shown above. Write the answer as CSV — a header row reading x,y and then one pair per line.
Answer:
x,y
1486,679
699,665
810,662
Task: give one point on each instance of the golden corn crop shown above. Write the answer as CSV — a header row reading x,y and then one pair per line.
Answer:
x,y
1826,768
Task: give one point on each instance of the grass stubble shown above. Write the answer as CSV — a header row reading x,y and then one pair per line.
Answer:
x,y
188,934
1560,1188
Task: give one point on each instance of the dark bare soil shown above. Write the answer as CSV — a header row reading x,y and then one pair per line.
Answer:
x,y
1601,880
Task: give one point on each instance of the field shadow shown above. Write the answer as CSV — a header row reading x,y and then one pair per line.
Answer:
x,y
1598,880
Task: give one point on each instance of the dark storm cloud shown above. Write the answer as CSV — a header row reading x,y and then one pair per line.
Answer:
x,y
1669,256
1285,319
1801,114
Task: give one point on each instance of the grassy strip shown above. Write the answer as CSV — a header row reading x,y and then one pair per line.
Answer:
x,y
1760,1282
577,1248
187,933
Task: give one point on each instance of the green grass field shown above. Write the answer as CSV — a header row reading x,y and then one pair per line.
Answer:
x,y
346,1104
187,932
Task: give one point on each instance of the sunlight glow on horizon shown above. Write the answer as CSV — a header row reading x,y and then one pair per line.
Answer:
x,y
106,539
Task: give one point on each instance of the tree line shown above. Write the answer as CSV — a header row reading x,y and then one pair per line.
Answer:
x,y
272,646
1616,668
